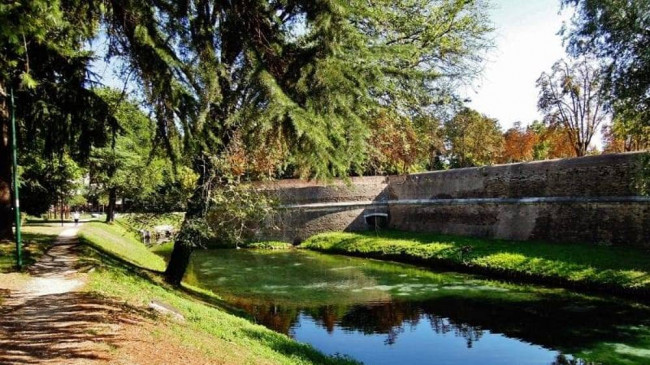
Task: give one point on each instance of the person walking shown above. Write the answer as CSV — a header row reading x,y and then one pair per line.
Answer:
x,y
75,215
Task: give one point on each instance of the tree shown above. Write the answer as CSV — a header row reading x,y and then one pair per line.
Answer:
x,y
473,139
552,142
42,59
570,96
616,32
628,132
395,146
519,144
309,72
127,167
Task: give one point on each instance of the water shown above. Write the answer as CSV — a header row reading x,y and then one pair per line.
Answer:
x,y
386,313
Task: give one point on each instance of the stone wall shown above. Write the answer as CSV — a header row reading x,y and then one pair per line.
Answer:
x,y
589,199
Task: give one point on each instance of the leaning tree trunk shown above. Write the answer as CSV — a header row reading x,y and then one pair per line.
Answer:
x,y
190,234
112,201
5,177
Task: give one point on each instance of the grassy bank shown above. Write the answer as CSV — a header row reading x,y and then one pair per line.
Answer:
x,y
118,258
579,266
118,241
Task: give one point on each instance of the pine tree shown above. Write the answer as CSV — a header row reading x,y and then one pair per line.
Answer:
x,y
42,59
310,72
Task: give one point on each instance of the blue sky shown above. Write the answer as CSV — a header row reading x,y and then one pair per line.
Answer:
x,y
526,44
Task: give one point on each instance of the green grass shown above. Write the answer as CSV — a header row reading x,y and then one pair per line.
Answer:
x,y
116,240
163,250
269,245
138,221
118,256
614,269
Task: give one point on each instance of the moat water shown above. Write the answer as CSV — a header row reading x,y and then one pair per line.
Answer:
x,y
387,313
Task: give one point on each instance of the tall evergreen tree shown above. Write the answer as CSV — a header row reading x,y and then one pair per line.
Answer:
x,y
310,72
42,59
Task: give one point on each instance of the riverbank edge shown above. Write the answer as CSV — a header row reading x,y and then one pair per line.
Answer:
x,y
118,275
457,265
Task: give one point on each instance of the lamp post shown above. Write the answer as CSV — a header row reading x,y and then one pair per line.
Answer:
x,y
14,153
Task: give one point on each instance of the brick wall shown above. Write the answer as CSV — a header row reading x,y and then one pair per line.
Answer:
x,y
589,199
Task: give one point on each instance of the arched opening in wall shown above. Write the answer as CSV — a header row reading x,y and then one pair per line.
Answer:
x,y
376,220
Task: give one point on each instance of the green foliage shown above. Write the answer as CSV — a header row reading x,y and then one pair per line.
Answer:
x,y
613,268
127,166
50,181
628,131
140,221
312,77
617,33
238,212
473,139
44,61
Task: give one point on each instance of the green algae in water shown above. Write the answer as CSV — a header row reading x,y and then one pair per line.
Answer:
x,y
291,291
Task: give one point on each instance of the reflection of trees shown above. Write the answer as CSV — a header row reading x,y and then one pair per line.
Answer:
x,y
443,325
277,318
390,319
561,359
571,324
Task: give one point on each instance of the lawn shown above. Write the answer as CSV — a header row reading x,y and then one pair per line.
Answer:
x,y
604,268
119,257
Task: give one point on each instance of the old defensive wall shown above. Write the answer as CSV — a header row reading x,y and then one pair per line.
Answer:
x,y
591,199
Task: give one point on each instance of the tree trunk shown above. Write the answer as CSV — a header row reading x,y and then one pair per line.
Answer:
x,y
5,177
187,239
110,210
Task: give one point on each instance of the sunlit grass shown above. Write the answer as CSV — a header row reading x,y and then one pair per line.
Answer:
x,y
612,267
116,240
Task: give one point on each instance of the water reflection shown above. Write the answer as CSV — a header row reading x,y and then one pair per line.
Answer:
x,y
376,311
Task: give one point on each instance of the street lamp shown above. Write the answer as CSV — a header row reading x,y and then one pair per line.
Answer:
x,y
14,153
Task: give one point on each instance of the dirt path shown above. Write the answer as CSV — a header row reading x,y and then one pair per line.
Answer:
x,y
46,318
49,321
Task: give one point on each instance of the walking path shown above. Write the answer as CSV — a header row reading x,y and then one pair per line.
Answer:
x,y
46,318
49,321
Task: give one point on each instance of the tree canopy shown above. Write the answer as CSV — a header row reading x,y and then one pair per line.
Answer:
x,y
571,96
42,59
308,74
616,32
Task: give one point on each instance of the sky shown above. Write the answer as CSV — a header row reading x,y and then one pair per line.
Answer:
x,y
526,44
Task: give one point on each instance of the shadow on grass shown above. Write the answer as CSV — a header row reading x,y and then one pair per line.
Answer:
x,y
34,245
95,256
